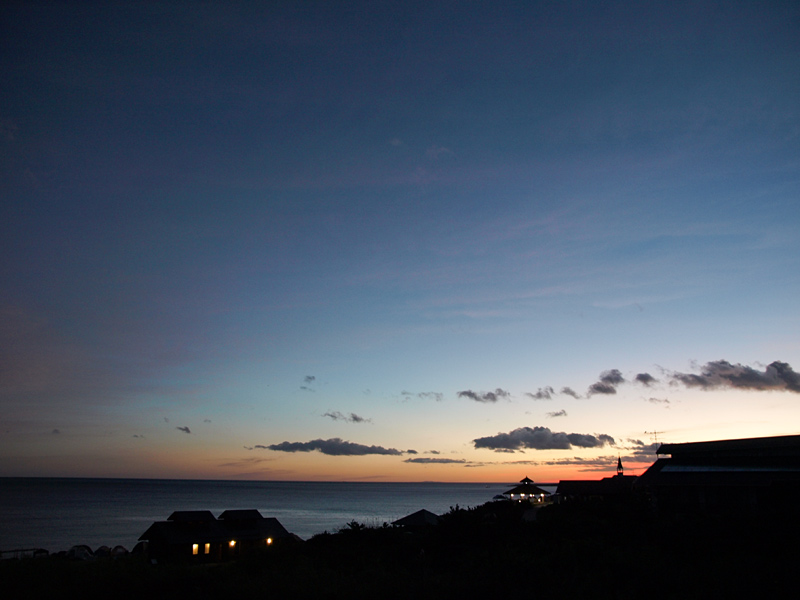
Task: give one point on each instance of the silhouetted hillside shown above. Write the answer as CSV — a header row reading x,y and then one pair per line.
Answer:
x,y
576,550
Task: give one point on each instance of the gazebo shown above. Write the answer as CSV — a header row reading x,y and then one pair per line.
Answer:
x,y
526,490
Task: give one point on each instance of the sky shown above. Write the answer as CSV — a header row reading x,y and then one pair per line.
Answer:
x,y
395,241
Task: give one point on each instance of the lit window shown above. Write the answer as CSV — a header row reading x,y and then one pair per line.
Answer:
x,y
194,548
269,541
232,543
207,549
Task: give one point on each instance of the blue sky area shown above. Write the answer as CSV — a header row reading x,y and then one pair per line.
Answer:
x,y
453,241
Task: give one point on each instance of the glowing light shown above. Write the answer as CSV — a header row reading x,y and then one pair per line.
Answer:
x,y
194,549
269,541
207,549
232,543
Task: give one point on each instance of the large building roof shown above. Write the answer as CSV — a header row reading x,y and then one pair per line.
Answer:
x,y
751,462
780,446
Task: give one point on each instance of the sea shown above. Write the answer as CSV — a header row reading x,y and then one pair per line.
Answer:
x,y
57,513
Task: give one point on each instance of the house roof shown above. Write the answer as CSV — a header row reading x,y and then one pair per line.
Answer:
x,y
260,528
669,472
171,533
607,486
240,514
237,524
418,519
191,516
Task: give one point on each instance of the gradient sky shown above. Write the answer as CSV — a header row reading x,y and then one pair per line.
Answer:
x,y
452,241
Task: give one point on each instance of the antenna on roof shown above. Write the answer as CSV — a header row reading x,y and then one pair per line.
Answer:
x,y
654,435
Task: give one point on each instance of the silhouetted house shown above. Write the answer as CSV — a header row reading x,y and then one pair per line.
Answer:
x,y
526,490
619,487
195,535
740,474
421,518
250,530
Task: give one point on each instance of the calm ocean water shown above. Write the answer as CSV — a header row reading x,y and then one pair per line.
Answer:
x,y
56,514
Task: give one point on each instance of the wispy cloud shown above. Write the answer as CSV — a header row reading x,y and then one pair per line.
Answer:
x,y
541,438
557,413
600,463
438,396
437,152
246,462
545,393
351,418
184,429
332,447
486,397
568,391
652,400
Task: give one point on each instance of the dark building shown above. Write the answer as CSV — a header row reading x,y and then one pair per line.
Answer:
x,y
195,535
609,488
418,520
740,474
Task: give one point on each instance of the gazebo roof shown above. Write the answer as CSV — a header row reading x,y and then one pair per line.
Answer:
x,y
528,489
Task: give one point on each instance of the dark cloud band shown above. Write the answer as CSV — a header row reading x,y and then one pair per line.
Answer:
x,y
437,461
541,438
722,374
332,447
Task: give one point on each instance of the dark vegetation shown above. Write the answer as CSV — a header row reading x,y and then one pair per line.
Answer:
x,y
581,550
